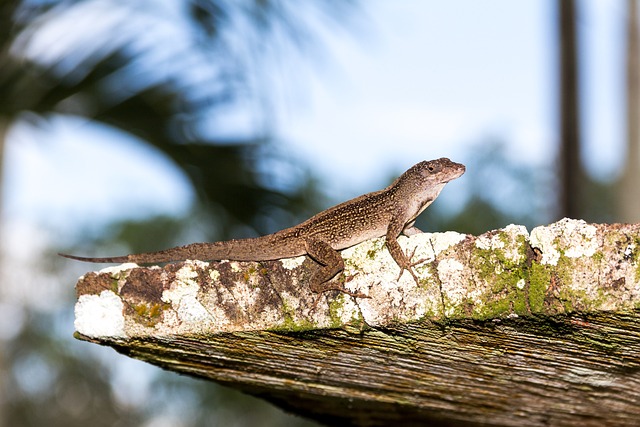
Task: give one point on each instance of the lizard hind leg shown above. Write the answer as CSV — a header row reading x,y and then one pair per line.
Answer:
x,y
331,263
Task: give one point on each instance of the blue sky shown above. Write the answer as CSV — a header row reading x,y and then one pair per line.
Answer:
x,y
415,80
431,81
438,77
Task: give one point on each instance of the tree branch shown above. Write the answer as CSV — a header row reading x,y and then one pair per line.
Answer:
x,y
507,328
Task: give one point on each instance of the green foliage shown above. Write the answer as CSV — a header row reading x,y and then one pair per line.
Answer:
x,y
122,83
170,91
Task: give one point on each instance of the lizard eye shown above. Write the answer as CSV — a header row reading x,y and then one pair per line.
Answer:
x,y
431,168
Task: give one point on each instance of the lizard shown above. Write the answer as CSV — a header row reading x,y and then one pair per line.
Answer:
x,y
388,212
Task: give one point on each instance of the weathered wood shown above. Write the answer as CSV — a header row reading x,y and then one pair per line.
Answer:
x,y
507,328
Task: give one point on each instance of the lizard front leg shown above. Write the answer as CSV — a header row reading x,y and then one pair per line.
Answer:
x,y
331,263
393,231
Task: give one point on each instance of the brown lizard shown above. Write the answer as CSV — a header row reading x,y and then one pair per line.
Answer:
x,y
387,212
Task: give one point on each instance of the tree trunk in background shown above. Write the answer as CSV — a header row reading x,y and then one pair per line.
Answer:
x,y
629,196
4,372
7,10
570,172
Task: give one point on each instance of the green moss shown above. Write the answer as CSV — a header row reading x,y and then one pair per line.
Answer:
x,y
349,264
565,268
289,323
504,273
356,324
335,307
579,300
248,272
431,315
493,309
114,286
149,314
573,299
521,305
635,256
539,278
376,247
116,277
598,256
523,243
518,285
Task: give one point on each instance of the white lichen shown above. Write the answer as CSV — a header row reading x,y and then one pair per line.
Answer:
x,y
100,315
576,238
235,266
114,270
443,241
504,240
581,238
291,263
453,284
214,275
484,243
183,296
543,238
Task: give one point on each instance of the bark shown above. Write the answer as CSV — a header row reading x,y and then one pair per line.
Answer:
x,y
507,328
571,174
629,195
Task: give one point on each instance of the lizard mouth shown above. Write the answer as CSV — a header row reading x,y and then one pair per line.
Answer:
x,y
460,170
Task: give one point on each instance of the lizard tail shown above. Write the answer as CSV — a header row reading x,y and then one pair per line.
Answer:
x,y
179,253
202,251
116,259
259,249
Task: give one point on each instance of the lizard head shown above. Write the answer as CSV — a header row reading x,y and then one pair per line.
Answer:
x,y
422,183
438,171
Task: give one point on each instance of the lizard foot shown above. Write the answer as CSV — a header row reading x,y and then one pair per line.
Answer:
x,y
329,286
335,287
347,279
410,265
347,291
418,262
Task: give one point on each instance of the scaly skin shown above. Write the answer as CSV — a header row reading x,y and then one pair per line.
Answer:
x,y
388,212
